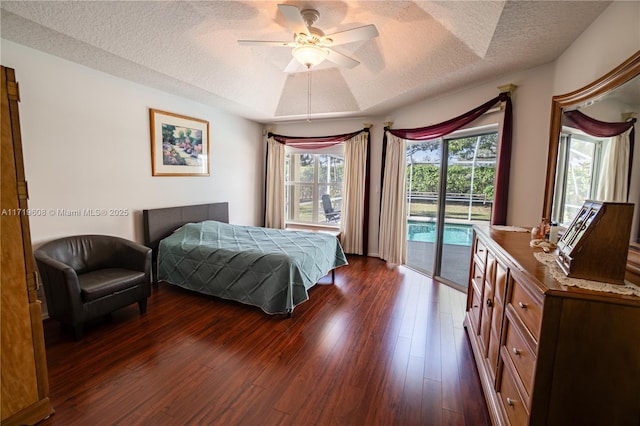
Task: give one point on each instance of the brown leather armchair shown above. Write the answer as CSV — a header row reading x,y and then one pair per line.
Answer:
x,y
87,276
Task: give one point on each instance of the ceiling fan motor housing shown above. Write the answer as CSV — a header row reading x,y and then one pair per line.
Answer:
x,y
310,16
315,36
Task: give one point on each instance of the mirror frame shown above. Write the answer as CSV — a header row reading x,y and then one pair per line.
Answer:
x,y
623,73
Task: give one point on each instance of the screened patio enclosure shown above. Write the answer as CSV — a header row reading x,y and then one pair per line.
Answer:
x,y
450,185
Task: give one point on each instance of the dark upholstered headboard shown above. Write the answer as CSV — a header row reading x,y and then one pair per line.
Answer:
x,y
160,223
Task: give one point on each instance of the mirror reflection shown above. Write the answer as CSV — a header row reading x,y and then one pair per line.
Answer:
x,y
594,152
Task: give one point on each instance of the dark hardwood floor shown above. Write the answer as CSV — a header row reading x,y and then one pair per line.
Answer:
x,y
380,346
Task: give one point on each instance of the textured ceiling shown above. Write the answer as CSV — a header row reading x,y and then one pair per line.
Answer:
x,y
190,48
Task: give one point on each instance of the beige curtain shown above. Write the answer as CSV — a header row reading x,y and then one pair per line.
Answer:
x,y
355,166
393,210
613,184
274,202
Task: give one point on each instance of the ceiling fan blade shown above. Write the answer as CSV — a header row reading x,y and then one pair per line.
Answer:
x,y
341,60
354,34
292,66
294,18
266,43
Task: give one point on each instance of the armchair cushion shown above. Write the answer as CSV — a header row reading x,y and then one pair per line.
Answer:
x,y
102,282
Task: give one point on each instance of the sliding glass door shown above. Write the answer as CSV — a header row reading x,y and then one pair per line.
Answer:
x,y
424,160
450,185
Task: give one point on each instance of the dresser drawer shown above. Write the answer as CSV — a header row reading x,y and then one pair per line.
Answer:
x,y
521,355
477,275
474,309
492,354
480,251
512,402
501,282
528,310
487,316
494,338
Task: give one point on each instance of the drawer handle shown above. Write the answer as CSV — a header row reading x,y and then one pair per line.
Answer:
x,y
511,402
516,352
489,303
522,305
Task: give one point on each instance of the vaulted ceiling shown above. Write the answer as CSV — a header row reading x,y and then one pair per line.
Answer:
x,y
424,48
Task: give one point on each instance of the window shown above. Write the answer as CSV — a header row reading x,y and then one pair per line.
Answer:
x,y
309,176
578,170
470,179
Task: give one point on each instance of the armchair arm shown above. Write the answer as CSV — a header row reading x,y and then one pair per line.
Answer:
x,y
134,256
61,286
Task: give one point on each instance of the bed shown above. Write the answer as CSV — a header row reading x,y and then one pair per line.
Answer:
x,y
196,248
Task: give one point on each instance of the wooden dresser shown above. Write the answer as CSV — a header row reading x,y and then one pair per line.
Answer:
x,y
548,354
25,386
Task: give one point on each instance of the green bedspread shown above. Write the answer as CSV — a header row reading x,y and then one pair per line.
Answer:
x,y
268,268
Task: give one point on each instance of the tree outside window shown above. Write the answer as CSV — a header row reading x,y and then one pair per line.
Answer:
x,y
308,176
470,176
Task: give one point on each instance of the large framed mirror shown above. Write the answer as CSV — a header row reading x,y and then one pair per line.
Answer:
x,y
615,97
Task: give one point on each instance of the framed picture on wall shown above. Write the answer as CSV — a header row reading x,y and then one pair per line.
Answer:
x,y
179,144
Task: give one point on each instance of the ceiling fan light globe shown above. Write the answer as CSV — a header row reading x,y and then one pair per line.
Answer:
x,y
309,55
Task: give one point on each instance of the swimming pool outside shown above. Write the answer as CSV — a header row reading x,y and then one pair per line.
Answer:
x,y
454,233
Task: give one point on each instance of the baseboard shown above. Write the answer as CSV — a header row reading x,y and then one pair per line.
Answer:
x,y
30,415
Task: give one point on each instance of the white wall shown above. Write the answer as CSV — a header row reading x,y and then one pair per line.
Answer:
x,y
610,40
86,142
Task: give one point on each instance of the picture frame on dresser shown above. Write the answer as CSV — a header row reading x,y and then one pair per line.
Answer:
x,y
179,144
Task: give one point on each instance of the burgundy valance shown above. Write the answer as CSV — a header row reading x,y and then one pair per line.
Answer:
x,y
501,193
602,129
594,127
316,142
449,126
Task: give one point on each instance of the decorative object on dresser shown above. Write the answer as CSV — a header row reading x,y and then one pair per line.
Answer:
x,y
596,244
25,383
548,354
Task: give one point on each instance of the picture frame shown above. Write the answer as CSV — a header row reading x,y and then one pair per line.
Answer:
x,y
179,144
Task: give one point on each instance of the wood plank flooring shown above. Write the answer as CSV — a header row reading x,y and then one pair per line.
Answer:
x,y
381,346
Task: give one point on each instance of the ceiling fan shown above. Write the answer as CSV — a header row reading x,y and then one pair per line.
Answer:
x,y
310,45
